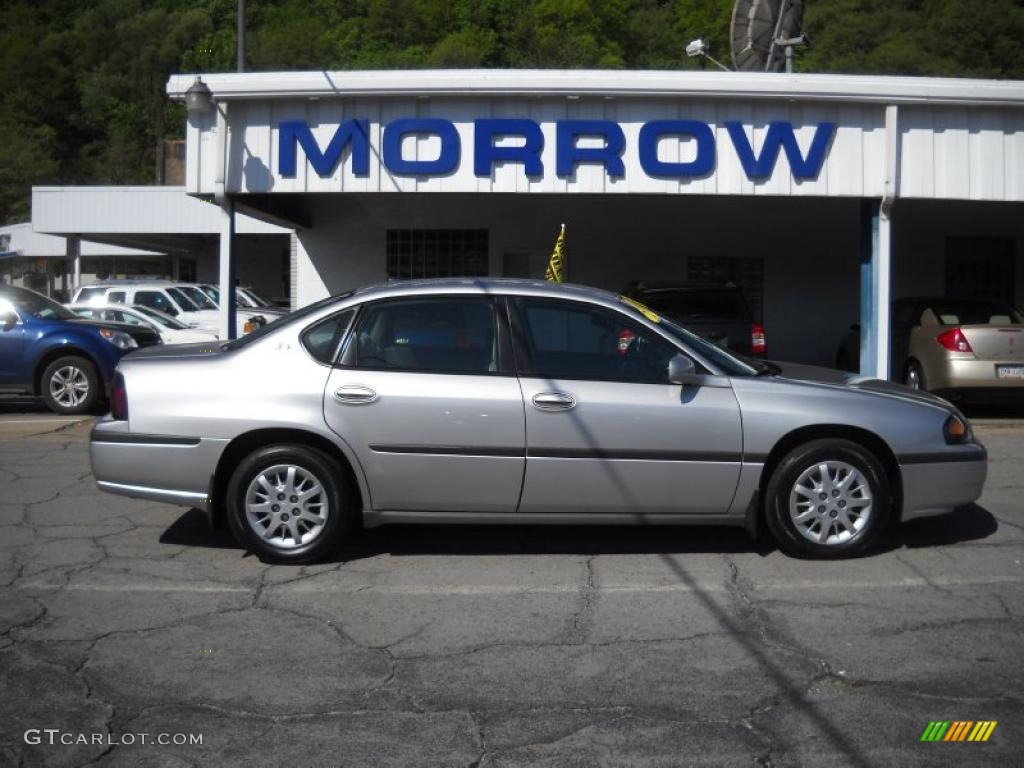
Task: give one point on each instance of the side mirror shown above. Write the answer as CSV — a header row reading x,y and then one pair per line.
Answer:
x,y
681,370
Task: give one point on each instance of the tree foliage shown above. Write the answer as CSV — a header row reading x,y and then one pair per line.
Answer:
x,y
82,81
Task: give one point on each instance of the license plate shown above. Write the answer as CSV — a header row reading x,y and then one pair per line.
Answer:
x,y
1010,371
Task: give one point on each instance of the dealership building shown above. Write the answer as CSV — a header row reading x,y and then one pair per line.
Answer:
x,y
823,197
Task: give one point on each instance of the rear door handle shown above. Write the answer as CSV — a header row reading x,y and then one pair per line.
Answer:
x,y
554,401
355,394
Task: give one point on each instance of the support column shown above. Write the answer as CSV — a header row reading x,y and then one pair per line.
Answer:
x,y
227,271
73,250
875,289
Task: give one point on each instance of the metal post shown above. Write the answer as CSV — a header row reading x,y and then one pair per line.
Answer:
x,y
240,33
227,271
875,290
73,250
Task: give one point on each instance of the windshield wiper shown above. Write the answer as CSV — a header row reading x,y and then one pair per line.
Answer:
x,y
764,368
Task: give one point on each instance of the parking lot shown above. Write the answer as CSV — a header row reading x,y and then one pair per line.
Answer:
x,y
494,646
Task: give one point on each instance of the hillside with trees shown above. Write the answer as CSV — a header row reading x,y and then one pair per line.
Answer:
x,y
82,81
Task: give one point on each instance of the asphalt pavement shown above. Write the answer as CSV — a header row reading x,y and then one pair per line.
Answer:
x,y
123,623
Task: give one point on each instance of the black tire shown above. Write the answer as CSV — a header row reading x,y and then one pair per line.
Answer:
x,y
805,458
914,369
281,547
74,369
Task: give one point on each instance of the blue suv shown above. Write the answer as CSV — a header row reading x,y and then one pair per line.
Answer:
x,y
48,350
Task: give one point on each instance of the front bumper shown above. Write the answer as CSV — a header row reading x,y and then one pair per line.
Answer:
x,y
934,484
165,468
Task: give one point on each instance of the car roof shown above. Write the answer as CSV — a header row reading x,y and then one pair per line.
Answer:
x,y
131,284
483,286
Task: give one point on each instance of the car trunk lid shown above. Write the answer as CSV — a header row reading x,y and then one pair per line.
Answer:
x,y
1003,343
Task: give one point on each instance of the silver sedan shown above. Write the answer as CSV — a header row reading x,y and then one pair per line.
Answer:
x,y
502,401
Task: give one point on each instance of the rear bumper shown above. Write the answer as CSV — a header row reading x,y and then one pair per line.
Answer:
x,y
934,484
972,374
165,468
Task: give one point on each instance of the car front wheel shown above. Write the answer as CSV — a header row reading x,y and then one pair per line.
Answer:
x,y
827,499
70,385
287,503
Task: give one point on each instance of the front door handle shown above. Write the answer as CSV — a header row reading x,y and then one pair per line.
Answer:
x,y
355,394
554,401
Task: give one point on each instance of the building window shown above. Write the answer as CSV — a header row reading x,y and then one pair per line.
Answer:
x,y
746,272
437,253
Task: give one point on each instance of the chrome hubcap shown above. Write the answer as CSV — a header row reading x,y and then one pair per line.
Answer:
x,y
830,503
69,386
286,506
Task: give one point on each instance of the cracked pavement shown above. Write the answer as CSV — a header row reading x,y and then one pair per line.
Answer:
x,y
498,646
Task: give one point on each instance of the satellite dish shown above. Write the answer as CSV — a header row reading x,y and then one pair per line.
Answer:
x,y
763,33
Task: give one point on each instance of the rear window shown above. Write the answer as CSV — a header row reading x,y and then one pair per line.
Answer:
x,y
962,312
86,295
698,306
323,339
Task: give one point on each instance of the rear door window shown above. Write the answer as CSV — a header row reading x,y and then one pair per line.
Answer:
x,y
436,335
116,297
323,339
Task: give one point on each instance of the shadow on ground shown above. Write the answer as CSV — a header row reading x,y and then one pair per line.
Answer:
x,y
968,523
22,405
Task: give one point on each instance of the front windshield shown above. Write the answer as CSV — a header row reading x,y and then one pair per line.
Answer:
x,y
28,302
282,321
728,364
162,318
199,298
257,298
183,300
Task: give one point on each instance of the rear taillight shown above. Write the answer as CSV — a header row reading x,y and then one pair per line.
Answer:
x,y
119,398
757,342
954,340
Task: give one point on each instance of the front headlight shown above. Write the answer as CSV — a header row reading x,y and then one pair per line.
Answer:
x,y
956,430
118,339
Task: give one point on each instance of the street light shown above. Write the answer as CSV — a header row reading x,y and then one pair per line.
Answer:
x,y
199,97
699,47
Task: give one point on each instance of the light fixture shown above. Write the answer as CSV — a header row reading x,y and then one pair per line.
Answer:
x,y
199,97
699,47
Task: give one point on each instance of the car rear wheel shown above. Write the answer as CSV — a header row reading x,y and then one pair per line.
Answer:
x,y
913,377
70,385
288,503
827,499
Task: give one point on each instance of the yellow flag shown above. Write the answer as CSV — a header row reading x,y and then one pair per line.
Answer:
x,y
555,273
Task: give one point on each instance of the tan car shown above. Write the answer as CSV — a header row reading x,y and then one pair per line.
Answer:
x,y
956,347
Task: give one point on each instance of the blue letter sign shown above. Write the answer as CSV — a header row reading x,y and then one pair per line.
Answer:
x,y
446,162
354,135
781,136
354,132
568,154
485,154
651,133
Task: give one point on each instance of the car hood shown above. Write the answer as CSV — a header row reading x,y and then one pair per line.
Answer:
x,y
813,374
